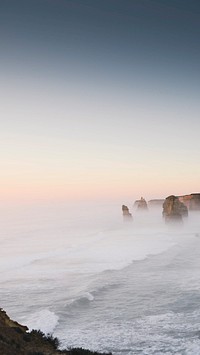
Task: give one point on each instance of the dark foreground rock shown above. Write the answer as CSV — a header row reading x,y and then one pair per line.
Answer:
x,y
173,209
126,214
15,340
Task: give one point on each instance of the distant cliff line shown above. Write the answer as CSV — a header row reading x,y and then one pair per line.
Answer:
x,y
191,201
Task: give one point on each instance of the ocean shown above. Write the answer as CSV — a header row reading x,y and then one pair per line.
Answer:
x,y
79,272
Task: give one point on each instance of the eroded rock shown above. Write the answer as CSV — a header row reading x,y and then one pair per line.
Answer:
x,y
126,214
173,209
142,205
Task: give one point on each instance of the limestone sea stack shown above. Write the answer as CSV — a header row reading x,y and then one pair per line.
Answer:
x,y
174,210
126,214
142,205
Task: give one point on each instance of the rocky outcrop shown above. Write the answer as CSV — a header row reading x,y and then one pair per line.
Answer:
x,y
5,321
173,209
142,205
192,201
14,340
126,214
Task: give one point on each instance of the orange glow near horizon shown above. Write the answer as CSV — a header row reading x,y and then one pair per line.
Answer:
x,y
93,187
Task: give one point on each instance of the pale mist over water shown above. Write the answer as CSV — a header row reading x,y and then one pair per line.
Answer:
x,y
78,271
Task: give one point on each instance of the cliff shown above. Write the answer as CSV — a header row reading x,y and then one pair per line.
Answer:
x,y
192,201
14,340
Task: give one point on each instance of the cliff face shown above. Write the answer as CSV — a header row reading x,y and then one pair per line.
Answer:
x,y
192,201
14,340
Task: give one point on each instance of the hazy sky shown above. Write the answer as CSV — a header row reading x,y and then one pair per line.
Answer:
x,y
99,98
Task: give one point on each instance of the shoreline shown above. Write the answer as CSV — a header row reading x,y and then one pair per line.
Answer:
x,y
16,340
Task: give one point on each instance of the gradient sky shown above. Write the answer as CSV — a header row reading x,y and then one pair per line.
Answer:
x,y
99,98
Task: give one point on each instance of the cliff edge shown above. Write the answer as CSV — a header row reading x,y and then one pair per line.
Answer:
x,y
15,340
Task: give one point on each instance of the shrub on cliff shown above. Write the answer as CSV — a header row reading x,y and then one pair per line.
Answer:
x,y
81,351
54,342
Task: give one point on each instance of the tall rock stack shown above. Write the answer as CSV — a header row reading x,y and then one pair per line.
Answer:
x,y
173,209
126,214
142,205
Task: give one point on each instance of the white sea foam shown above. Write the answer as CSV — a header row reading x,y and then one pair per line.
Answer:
x,y
165,333
99,275
44,320
89,296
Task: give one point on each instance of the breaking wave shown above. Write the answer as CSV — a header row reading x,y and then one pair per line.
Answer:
x,y
44,320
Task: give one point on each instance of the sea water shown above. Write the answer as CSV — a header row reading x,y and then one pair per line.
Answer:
x,y
82,274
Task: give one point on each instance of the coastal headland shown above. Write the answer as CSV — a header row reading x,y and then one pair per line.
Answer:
x,y
16,340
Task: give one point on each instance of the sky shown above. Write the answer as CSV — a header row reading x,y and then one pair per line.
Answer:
x,y
99,99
